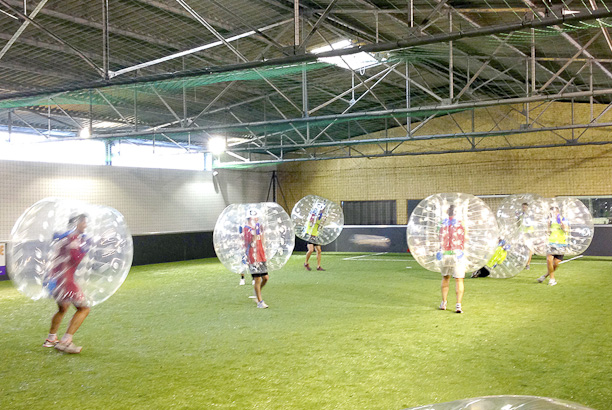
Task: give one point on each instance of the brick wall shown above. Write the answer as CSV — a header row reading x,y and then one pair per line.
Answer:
x,y
570,170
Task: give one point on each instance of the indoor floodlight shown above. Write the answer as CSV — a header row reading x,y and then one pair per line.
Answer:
x,y
216,145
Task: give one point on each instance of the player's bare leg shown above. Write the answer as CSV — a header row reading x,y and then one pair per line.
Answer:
x,y
445,285
318,248
310,251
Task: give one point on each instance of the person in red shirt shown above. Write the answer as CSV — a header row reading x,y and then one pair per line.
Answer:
x,y
452,241
255,256
71,249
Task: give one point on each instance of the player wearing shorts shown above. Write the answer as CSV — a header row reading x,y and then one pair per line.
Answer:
x,y
452,240
557,243
255,256
71,249
315,220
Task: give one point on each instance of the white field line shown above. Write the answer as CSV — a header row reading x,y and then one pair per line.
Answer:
x,y
569,260
368,257
364,256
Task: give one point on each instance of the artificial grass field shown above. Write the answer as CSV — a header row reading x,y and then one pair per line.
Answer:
x,y
365,334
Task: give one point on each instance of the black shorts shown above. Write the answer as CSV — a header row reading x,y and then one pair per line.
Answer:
x,y
313,244
259,275
560,257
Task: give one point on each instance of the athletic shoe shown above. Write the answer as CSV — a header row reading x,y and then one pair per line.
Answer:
x,y
527,267
458,308
262,305
442,305
68,348
320,268
242,282
307,266
552,282
50,343
542,278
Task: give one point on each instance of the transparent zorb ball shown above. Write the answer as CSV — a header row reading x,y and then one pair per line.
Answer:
x,y
508,402
570,227
253,238
509,258
39,250
317,220
524,217
452,231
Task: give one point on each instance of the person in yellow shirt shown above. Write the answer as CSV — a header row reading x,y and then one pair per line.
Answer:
x,y
557,243
315,222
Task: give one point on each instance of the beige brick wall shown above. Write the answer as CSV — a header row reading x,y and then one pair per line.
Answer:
x,y
571,170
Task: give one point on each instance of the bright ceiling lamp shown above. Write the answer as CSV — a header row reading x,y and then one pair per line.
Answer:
x,y
353,62
85,133
216,145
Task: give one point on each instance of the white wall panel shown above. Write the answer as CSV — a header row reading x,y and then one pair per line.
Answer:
x,y
152,200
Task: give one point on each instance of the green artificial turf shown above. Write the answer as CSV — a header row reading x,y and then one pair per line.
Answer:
x,y
365,334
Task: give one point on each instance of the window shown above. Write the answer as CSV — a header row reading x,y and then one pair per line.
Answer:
x,y
369,212
125,154
38,148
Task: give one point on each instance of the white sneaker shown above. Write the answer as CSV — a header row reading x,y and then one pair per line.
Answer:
x,y
442,306
552,282
541,278
458,308
68,348
262,305
242,282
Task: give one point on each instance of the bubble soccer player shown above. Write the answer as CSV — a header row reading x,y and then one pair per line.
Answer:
x,y
318,221
71,246
452,241
557,242
74,252
315,219
254,254
254,238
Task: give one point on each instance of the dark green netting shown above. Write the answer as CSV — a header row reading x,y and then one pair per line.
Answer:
x,y
120,93
327,121
522,37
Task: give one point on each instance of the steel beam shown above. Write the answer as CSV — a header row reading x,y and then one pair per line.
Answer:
x,y
234,50
100,26
569,39
401,111
431,137
55,37
320,21
417,153
22,28
370,48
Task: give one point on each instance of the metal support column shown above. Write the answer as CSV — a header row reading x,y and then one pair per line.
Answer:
x,y
108,147
451,79
90,114
591,99
296,23
408,102
184,100
105,45
10,125
533,62
136,108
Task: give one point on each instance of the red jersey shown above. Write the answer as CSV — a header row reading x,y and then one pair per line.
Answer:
x,y
71,252
452,235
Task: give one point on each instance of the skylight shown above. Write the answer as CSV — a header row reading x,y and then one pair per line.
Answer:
x,y
353,62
